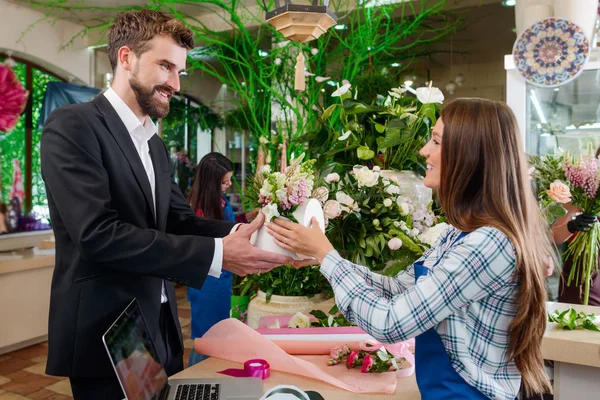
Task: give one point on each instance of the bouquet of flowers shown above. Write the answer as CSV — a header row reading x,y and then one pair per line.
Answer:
x,y
375,359
370,224
280,193
563,178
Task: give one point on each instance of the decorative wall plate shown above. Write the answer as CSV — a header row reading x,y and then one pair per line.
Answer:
x,y
551,52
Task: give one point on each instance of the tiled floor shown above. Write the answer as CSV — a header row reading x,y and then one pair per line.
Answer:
x,y
22,374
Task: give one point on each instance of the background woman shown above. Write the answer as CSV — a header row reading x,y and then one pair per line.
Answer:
x,y
212,303
475,301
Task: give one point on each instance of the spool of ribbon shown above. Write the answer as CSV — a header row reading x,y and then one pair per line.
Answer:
x,y
397,350
255,368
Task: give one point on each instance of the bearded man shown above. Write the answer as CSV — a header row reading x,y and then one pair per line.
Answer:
x,y
123,229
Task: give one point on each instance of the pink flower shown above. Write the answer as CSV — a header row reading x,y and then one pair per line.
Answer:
x,y
367,364
352,357
332,209
13,98
336,353
346,349
559,192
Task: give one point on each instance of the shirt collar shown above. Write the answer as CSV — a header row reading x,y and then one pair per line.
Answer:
x,y
131,122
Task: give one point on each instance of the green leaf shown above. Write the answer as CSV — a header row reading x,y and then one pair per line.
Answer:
x,y
429,111
352,106
557,210
327,113
383,356
380,128
364,153
318,314
334,309
590,325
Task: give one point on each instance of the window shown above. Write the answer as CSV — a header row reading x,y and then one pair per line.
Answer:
x,y
23,142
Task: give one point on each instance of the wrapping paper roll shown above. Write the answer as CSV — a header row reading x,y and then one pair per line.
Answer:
x,y
580,12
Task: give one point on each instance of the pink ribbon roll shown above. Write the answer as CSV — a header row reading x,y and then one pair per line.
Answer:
x,y
255,368
397,350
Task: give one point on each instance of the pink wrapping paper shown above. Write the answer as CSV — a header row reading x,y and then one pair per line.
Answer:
x,y
309,341
231,340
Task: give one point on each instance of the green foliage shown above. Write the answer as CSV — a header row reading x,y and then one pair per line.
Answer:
x,y
332,319
290,281
388,132
570,319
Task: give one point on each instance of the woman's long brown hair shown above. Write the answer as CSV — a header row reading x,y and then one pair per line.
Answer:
x,y
484,182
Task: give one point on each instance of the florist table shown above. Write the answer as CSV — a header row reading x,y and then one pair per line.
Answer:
x,y
576,356
406,388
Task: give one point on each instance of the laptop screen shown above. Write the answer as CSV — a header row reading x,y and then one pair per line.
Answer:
x,y
134,356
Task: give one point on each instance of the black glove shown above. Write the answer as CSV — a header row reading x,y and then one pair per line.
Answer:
x,y
582,222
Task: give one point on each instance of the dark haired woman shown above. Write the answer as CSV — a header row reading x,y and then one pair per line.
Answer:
x,y
476,300
212,302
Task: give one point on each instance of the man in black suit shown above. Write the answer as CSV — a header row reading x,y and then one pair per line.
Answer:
x,y
122,227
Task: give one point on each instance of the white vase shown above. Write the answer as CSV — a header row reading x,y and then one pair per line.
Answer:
x,y
284,305
411,186
303,214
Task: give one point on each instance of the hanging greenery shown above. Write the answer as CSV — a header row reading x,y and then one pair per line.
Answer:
x,y
255,62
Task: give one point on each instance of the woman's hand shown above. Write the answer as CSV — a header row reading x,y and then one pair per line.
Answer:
x,y
299,239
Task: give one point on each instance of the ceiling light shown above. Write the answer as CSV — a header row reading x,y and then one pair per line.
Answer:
x,y
339,27
395,65
408,83
262,53
332,83
509,3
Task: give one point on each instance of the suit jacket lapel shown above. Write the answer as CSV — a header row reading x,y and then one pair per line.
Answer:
x,y
162,172
119,131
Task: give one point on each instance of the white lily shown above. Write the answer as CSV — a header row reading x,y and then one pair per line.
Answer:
x,y
345,135
430,94
342,90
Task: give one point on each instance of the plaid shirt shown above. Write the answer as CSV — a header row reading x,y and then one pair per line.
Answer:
x,y
469,297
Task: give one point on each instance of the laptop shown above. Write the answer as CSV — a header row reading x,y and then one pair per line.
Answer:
x,y
143,377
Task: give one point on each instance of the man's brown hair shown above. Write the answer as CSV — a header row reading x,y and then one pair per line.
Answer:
x,y
136,28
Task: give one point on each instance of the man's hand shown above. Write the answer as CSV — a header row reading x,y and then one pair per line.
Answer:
x,y
241,258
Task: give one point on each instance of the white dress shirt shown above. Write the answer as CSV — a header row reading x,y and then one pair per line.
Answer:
x,y
140,135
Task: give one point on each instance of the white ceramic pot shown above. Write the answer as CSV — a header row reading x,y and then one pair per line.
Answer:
x,y
303,214
411,186
284,305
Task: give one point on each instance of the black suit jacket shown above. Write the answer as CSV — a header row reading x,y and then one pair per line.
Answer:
x,y
109,247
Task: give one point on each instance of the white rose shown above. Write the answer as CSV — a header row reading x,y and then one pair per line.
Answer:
x,y
377,168
299,320
394,243
404,209
428,95
431,235
270,212
321,194
366,177
348,204
376,222
392,189
333,177
414,232
332,209
387,202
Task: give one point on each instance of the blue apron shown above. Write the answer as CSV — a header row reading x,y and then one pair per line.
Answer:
x,y
436,377
212,303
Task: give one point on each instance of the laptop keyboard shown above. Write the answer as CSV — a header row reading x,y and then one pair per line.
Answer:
x,y
206,391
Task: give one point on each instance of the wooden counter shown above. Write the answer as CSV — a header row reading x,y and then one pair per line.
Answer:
x,y
24,300
576,356
405,390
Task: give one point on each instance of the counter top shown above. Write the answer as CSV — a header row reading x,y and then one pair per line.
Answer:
x,y
406,388
29,261
576,347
